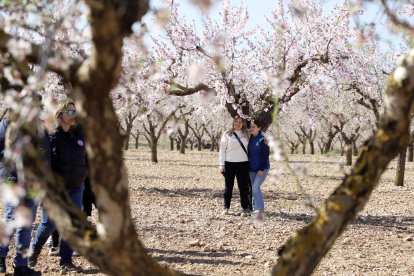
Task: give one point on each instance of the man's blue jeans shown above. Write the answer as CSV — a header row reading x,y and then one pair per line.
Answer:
x,y
47,227
23,235
258,201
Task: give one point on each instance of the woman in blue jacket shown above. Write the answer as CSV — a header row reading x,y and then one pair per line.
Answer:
x,y
259,166
69,162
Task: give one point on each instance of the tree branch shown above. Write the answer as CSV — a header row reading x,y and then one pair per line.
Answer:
x,y
306,247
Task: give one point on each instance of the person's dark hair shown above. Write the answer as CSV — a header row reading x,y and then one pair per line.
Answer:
x,y
258,122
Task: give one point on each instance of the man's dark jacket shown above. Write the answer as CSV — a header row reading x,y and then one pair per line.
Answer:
x,y
69,156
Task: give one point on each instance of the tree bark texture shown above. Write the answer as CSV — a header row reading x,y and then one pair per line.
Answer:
x,y
306,247
199,146
154,151
114,247
400,171
312,147
410,152
171,143
331,137
354,149
183,136
348,154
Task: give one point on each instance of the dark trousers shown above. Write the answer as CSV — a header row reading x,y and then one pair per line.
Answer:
x,y
88,198
239,170
55,239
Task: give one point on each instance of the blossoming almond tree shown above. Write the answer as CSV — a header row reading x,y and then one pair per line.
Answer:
x,y
114,245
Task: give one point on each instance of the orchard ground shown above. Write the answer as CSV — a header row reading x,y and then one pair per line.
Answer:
x,y
177,206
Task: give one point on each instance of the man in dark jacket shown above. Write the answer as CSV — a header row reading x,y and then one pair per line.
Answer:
x,y
23,234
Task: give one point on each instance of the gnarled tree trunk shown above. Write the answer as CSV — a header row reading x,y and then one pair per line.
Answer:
x,y
306,247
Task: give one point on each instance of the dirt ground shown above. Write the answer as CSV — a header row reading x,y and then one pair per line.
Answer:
x,y
177,206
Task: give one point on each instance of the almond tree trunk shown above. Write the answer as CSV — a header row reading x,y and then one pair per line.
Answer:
x,y
191,141
137,141
154,151
410,153
199,146
331,137
348,154
126,139
306,247
400,171
312,147
136,138
354,148
213,145
114,247
171,143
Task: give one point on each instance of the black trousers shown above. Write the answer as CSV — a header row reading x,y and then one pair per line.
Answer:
x,y
88,198
239,170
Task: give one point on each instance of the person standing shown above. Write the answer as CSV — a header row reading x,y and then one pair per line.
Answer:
x,y
259,166
68,161
234,163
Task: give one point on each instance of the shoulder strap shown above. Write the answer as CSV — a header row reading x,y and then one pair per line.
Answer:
x,y
241,144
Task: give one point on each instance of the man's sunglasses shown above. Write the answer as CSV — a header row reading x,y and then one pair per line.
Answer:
x,y
71,112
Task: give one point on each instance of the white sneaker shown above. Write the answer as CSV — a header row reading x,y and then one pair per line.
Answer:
x,y
49,241
54,251
258,215
225,211
75,254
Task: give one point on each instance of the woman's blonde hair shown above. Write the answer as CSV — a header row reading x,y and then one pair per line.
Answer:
x,y
62,106
243,130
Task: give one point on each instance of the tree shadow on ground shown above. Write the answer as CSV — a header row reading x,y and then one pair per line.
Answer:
x,y
184,164
206,193
316,162
329,177
90,271
386,223
290,216
139,176
214,193
194,257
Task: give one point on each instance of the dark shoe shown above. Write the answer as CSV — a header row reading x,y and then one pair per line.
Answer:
x,y
54,251
32,260
245,213
25,271
3,265
70,267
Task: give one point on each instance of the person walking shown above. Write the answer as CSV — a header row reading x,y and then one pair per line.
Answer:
x,y
259,166
69,161
23,234
234,163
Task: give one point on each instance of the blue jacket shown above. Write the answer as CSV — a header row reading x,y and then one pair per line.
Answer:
x,y
4,172
11,175
258,153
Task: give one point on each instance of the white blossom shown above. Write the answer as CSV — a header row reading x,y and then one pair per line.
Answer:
x,y
19,48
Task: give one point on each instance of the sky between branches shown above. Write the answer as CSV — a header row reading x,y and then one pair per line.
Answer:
x,y
260,9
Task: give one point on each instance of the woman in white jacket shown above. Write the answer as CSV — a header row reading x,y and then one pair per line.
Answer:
x,y
234,162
